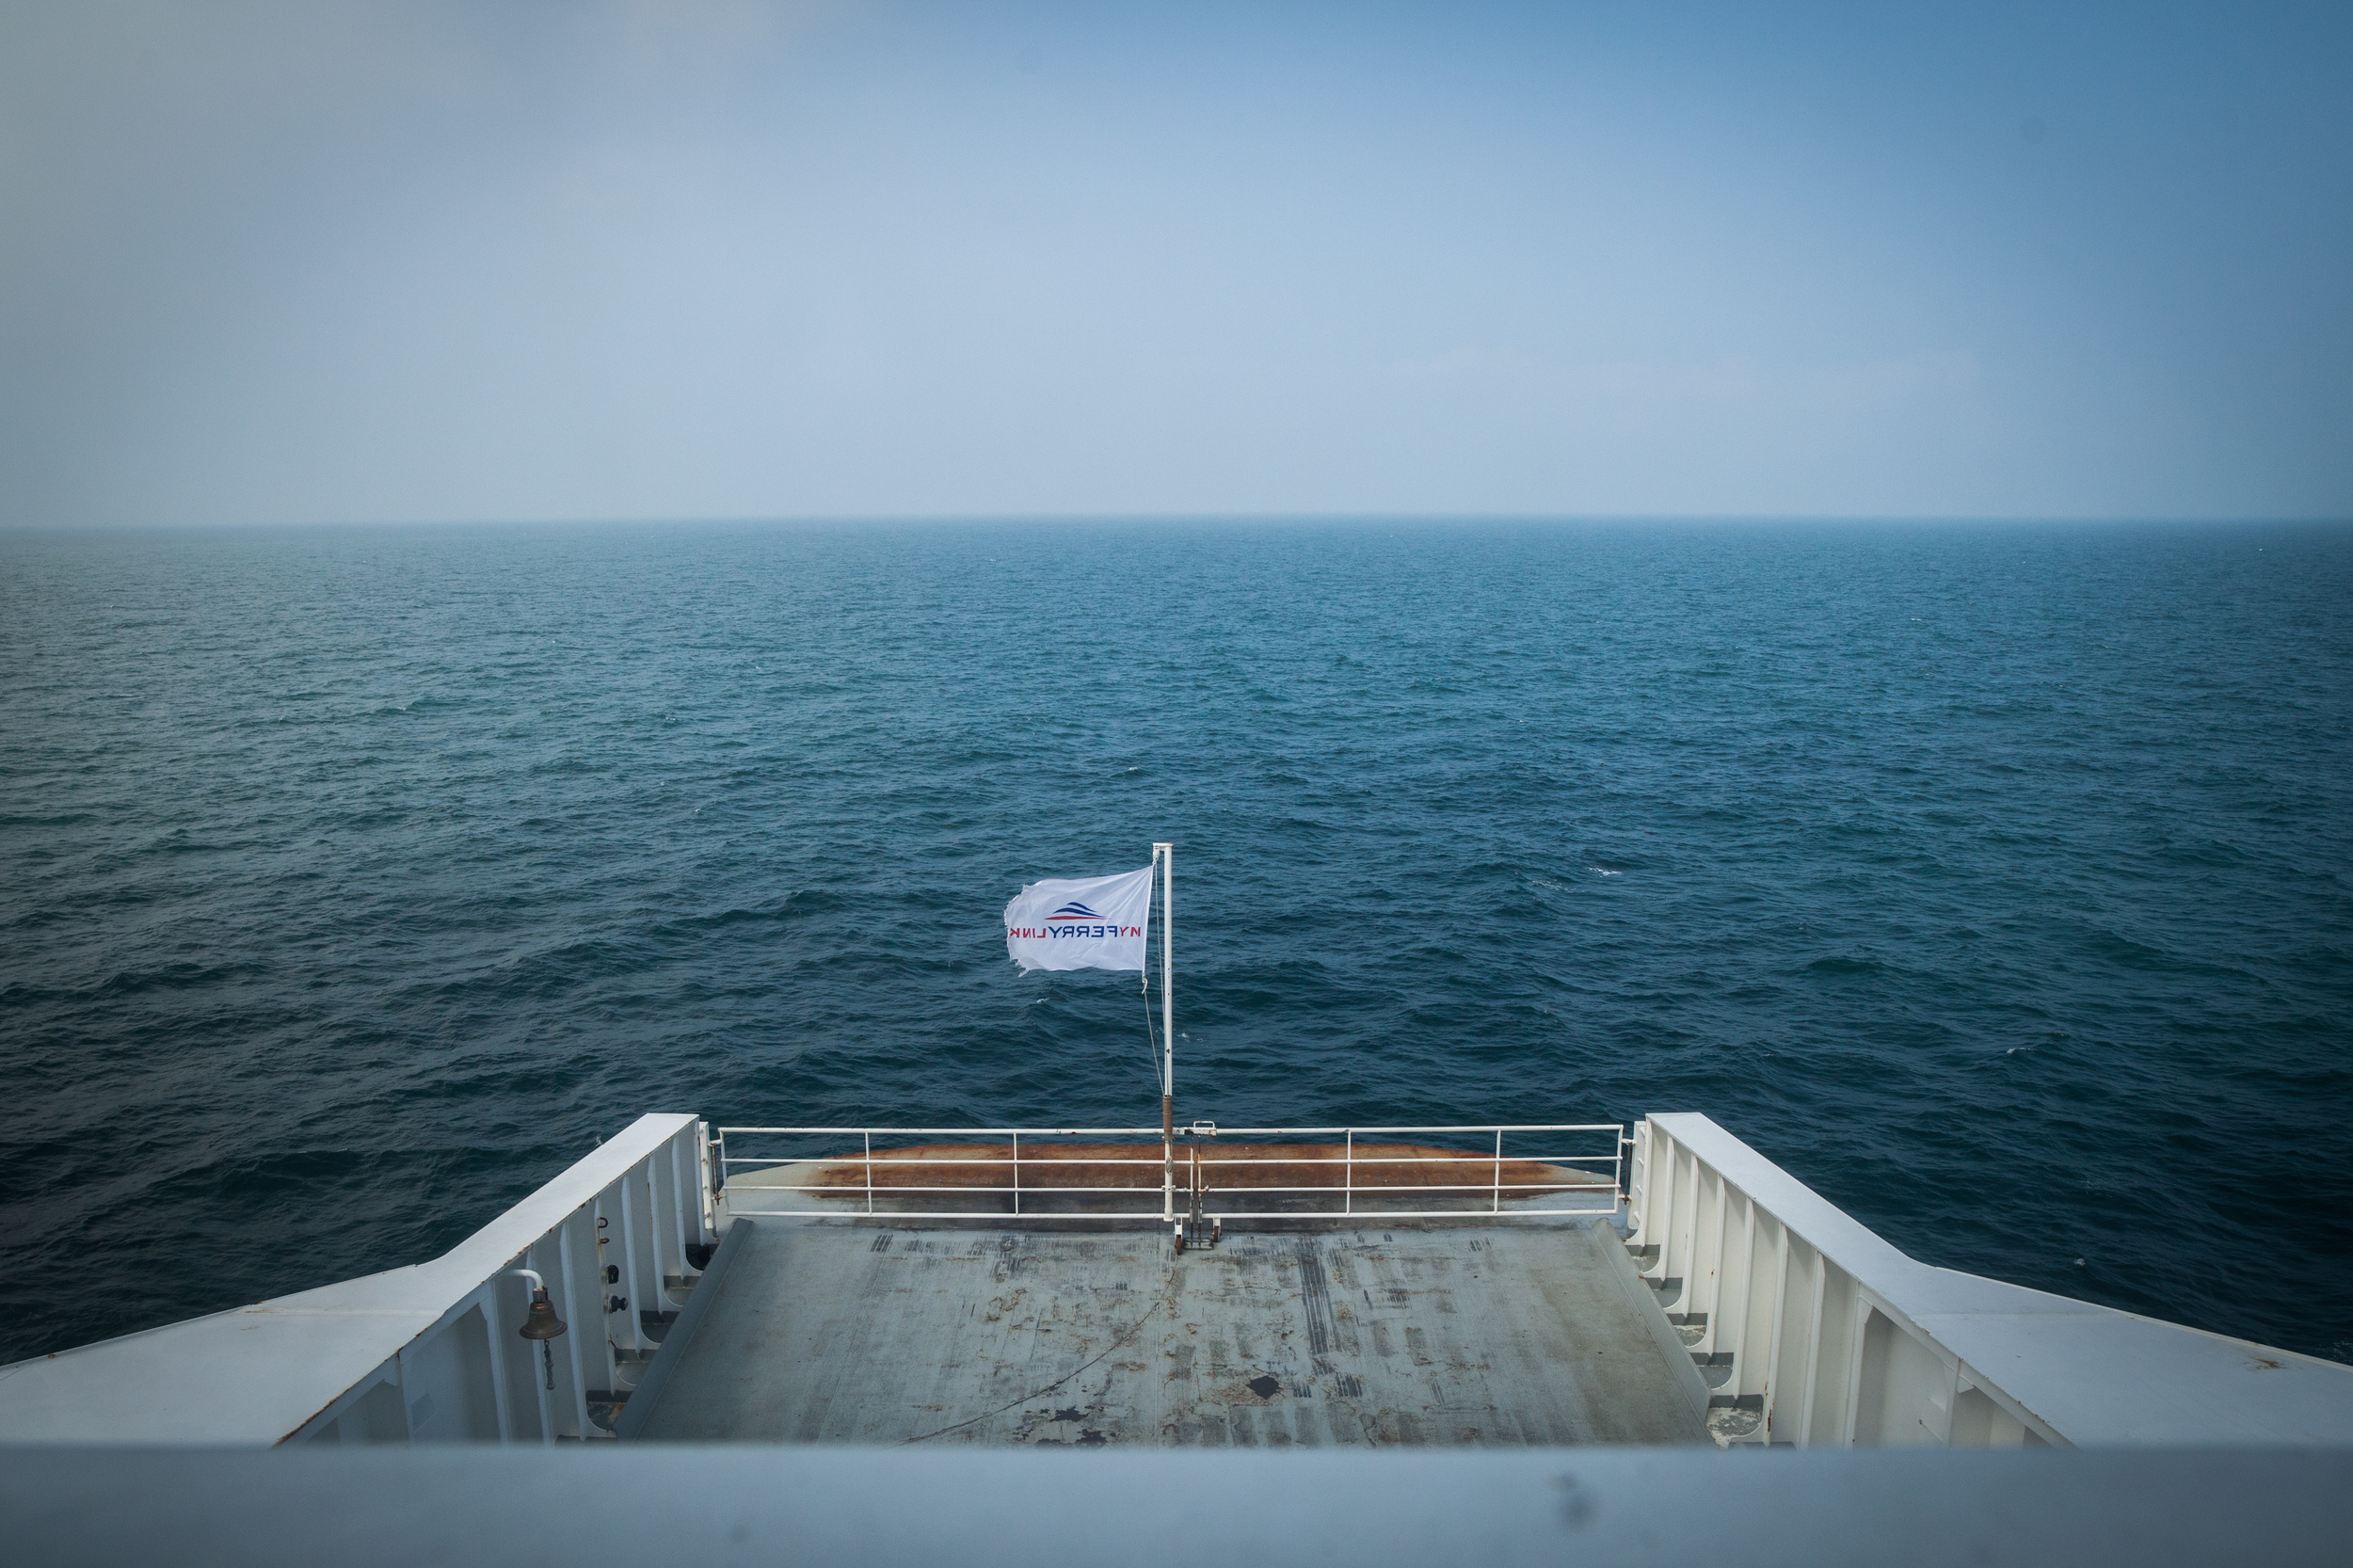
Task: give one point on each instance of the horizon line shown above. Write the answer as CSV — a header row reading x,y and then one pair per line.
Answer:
x,y
790,519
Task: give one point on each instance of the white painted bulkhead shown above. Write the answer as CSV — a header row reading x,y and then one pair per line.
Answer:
x,y
1812,1330
425,1353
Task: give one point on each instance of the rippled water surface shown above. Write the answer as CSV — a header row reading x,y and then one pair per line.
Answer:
x,y
1994,879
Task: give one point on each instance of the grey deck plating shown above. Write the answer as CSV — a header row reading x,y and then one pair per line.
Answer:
x,y
892,1331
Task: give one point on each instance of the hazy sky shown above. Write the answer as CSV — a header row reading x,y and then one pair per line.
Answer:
x,y
311,262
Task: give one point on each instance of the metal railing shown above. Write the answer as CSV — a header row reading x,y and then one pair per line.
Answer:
x,y
617,1240
433,1352
1808,1328
1281,1173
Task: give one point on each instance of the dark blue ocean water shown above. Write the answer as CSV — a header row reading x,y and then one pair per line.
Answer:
x,y
1992,879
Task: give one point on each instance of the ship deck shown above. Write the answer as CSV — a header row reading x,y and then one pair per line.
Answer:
x,y
897,1329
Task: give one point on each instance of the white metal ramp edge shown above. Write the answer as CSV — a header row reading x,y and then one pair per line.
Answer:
x,y
1812,1330
426,1352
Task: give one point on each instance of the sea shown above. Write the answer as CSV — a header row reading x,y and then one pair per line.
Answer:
x,y
1991,878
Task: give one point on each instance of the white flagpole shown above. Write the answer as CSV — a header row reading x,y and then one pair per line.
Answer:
x,y
1164,855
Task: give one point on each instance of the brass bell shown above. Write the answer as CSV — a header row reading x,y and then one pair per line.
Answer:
x,y
541,1322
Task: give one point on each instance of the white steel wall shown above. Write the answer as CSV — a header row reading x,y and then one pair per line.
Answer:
x,y
428,1352
1818,1355
472,1378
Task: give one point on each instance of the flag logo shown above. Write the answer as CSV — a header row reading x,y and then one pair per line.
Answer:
x,y
1081,923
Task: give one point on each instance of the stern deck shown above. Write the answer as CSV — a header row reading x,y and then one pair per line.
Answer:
x,y
899,1330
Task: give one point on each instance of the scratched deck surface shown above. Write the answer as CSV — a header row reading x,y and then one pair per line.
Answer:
x,y
882,1332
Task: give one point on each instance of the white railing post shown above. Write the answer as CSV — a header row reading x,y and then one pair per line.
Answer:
x,y
584,1427
1813,1351
601,1233
703,1194
1662,1200
658,1253
489,1309
1686,1232
1736,1335
1772,1344
717,1185
677,1207
542,1365
1859,1319
629,1266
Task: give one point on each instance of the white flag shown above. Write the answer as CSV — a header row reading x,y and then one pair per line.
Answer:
x,y
1085,923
